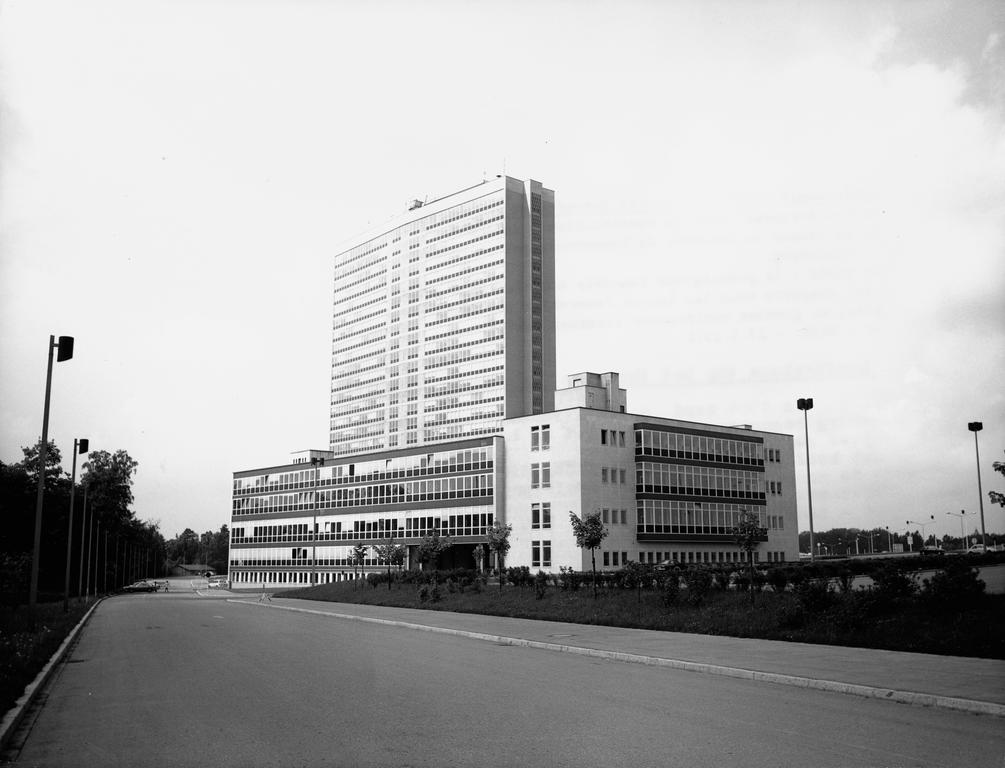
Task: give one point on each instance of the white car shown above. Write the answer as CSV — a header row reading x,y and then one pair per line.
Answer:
x,y
217,582
977,549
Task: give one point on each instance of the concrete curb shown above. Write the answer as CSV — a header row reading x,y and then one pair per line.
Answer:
x,y
14,716
867,691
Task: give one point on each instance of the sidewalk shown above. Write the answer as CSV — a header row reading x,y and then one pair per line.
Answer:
x,y
949,682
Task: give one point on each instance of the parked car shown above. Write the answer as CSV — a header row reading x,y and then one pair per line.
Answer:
x,y
977,549
219,582
141,586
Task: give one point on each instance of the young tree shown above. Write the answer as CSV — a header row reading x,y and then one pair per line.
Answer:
x,y
431,547
748,533
589,532
498,541
391,553
996,497
358,559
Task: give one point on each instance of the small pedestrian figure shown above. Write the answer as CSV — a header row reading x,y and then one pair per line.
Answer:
x,y
265,596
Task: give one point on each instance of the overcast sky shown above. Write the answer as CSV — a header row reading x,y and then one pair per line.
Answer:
x,y
755,202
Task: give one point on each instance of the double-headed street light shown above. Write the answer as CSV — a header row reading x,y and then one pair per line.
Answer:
x,y
963,535
923,537
804,404
65,347
79,446
975,427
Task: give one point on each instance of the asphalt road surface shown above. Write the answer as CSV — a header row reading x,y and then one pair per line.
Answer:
x,y
189,679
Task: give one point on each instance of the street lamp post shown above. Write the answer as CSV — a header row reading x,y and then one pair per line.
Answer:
x,y
83,537
963,535
804,405
889,540
923,525
975,427
79,446
65,347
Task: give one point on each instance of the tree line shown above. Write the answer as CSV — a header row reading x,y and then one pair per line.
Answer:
x,y
108,545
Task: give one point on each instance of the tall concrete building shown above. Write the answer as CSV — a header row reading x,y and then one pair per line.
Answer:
x,y
445,420
444,320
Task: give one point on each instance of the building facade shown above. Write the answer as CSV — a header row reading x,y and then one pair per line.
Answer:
x,y
444,320
666,490
298,523
444,419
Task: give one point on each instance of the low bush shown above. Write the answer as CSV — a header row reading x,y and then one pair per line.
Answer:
x,y
955,587
698,582
778,579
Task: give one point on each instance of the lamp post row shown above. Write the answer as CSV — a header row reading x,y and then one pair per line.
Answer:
x,y
805,404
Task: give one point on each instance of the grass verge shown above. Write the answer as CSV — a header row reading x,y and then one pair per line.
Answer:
x,y
852,619
26,645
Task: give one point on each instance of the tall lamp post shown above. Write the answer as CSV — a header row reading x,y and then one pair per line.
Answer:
x,y
804,404
79,446
65,347
975,427
923,537
963,535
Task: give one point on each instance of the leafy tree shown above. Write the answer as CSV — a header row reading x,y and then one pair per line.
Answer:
x,y
391,553
184,548
109,481
431,547
53,460
498,541
748,532
358,560
996,497
589,532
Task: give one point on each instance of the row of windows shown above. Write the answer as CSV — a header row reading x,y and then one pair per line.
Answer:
x,y
775,487
341,284
359,252
356,529
614,516
698,481
689,557
650,442
462,356
465,243
774,454
420,465
694,517
467,486
612,475
612,437
458,231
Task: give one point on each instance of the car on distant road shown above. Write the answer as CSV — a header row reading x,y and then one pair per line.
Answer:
x,y
930,550
977,549
217,582
141,586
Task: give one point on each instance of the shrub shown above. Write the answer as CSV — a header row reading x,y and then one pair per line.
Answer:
x,y
520,576
424,593
670,591
569,579
815,596
540,584
955,586
778,578
844,579
891,583
698,582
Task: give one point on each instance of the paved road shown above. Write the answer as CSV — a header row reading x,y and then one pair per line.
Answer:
x,y
189,678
